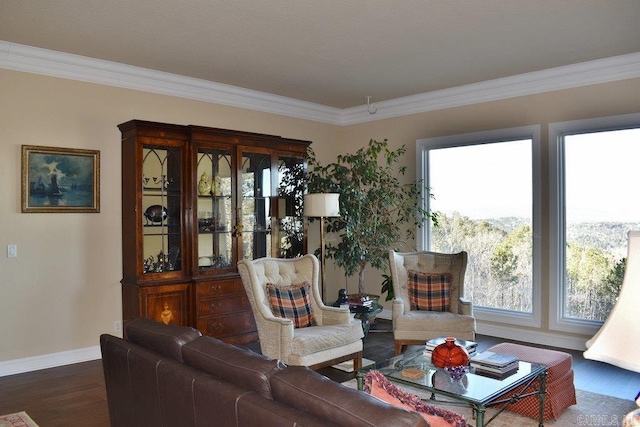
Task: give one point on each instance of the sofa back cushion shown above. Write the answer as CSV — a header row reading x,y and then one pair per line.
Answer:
x,y
147,389
166,340
236,365
308,391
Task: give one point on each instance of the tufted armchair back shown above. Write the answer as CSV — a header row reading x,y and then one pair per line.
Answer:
x,y
336,337
428,262
280,272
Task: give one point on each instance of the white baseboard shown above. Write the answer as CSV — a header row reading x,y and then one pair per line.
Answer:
x,y
44,361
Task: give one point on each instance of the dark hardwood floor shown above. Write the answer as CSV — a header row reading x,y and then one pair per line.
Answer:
x,y
75,394
72,395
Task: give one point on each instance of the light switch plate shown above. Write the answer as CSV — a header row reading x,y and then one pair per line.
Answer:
x,y
12,251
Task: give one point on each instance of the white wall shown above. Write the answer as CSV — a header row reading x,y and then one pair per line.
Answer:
x,y
62,291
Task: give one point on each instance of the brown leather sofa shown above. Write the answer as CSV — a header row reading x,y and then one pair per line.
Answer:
x,y
172,376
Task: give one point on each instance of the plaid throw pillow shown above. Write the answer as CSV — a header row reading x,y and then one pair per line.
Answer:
x,y
429,291
292,302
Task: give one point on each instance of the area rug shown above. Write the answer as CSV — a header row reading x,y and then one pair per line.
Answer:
x,y
592,410
347,366
19,419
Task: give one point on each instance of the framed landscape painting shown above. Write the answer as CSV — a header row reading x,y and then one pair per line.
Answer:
x,y
60,179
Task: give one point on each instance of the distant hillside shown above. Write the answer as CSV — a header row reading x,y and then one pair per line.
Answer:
x,y
607,236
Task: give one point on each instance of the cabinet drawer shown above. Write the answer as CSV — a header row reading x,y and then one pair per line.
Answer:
x,y
222,305
218,288
222,326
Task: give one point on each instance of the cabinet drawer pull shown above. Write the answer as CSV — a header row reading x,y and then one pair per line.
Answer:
x,y
216,288
217,326
216,305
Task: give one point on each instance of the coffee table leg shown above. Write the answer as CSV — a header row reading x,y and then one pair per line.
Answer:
x,y
479,411
360,380
541,395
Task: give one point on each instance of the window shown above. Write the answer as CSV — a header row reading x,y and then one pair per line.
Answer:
x,y
486,192
595,202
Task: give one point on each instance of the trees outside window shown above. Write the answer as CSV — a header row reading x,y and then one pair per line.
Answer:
x,y
596,201
483,187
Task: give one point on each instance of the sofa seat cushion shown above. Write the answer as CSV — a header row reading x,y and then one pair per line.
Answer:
x,y
442,321
164,339
319,338
239,366
378,386
310,392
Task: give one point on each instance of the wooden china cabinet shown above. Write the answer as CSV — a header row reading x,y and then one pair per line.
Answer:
x,y
195,200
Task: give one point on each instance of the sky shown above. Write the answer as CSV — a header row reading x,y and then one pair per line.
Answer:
x,y
603,176
494,180
479,183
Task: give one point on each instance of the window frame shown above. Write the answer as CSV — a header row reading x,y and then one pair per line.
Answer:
x,y
557,217
423,146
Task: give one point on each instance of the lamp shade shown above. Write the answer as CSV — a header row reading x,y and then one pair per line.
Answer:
x,y
322,205
617,340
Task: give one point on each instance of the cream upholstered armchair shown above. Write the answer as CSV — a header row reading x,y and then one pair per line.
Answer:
x,y
336,335
429,303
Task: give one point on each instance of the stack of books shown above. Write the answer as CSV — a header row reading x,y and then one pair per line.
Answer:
x,y
363,301
496,365
471,346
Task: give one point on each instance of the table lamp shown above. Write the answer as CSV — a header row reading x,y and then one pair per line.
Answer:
x,y
322,205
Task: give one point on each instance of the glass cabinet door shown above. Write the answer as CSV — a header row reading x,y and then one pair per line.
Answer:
x,y
214,209
255,209
290,224
161,209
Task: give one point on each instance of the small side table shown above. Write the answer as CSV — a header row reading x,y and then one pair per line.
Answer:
x,y
366,315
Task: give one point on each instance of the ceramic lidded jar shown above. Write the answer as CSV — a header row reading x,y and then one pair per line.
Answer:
x,y
204,186
449,353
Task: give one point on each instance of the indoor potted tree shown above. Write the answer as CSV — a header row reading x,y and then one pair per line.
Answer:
x,y
377,209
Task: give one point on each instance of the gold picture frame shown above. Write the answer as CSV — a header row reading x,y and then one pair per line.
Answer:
x,y
57,180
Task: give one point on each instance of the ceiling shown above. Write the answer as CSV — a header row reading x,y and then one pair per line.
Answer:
x,y
331,52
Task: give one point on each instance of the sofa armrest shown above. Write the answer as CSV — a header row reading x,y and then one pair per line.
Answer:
x,y
164,339
465,307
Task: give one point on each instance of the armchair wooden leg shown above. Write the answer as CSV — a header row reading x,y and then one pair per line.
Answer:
x,y
357,361
399,348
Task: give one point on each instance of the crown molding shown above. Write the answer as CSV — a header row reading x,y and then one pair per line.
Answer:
x,y
582,74
75,67
30,59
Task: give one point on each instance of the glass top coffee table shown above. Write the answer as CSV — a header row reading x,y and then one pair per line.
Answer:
x,y
474,390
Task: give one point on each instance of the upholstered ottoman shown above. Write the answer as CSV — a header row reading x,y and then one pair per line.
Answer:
x,y
560,390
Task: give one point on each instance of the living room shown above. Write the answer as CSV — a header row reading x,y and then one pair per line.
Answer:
x,y
63,288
